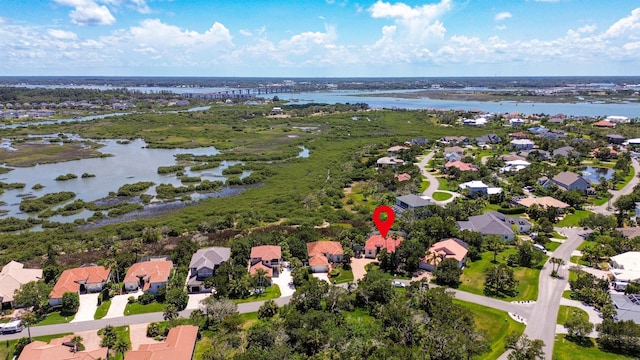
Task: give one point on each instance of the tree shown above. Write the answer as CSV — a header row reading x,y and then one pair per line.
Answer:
x,y
556,261
70,303
494,244
500,280
109,337
524,348
268,310
170,312
217,309
527,255
621,337
177,297
448,273
599,222
77,343
121,346
33,293
20,344
577,325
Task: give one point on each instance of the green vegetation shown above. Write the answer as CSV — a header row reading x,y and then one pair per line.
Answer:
x,y
271,292
137,308
66,177
163,170
574,219
54,318
441,196
557,235
342,277
497,324
552,245
566,348
134,189
102,310
46,201
565,311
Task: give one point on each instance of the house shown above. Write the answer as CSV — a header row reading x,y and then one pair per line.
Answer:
x,y
60,349
544,202
537,154
618,119
568,180
516,122
454,149
630,232
276,110
411,202
403,177
625,268
455,140
495,223
512,157
445,249
267,258
204,264
627,307
487,139
604,124
462,166
388,161
451,157
538,130
519,135
377,243
615,139
514,165
91,278
148,275
418,142
522,144
180,344
395,150
565,151
323,253
12,276
477,187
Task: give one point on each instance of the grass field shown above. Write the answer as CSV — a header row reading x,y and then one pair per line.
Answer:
x,y
272,292
565,311
573,219
497,324
102,310
343,277
441,196
566,349
552,245
566,294
473,276
136,308
54,318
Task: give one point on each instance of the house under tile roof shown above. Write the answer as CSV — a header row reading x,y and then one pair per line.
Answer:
x,y
266,252
57,350
448,249
71,279
180,344
377,242
260,266
152,271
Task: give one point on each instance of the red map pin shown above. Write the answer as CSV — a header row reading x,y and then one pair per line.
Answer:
x,y
384,225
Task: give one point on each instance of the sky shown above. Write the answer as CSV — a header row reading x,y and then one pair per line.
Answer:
x,y
319,38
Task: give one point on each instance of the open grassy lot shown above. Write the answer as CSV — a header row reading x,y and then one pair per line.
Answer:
x,y
441,196
497,324
473,276
565,311
102,310
272,292
573,219
136,308
566,349
55,318
343,277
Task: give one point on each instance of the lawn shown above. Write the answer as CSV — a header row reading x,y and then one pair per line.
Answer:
x,y
443,184
565,311
272,292
137,308
343,277
627,178
573,219
566,294
565,349
441,196
102,310
249,319
54,318
474,273
600,201
557,235
424,185
497,324
9,348
552,245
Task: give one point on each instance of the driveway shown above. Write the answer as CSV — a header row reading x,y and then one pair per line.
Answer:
x,y
322,276
90,339
358,267
626,190
433,181
194,300
88,305
283,282
138,335
118,303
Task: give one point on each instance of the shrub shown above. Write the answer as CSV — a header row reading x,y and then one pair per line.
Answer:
x,y
146,298
131,300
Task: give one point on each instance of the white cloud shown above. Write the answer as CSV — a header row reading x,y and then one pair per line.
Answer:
x,y
627,26
88,12
62,34
417,25
500,27
502,16
245,32
588,29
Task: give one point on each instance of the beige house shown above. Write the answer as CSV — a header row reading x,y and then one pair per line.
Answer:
x,y
12,276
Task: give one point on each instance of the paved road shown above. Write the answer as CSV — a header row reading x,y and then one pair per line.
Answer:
x,y
542,322
626,190
433,181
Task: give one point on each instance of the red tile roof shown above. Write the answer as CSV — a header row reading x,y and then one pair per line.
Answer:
x,y
462,166
70,279
377,241
324,247
260,265
448,248
403,177
266,252
39,350
179,345
153,271
604,123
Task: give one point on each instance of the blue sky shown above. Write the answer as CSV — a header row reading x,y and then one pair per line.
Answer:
x,y
320,38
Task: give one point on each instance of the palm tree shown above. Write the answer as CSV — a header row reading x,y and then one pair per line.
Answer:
x,y
556,261
261,276
121,346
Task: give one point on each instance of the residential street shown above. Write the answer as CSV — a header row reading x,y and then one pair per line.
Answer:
x,y
542,322
602,209
433,181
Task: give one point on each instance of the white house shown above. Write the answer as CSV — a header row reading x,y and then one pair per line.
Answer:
x,y
625,268
522,144
477,187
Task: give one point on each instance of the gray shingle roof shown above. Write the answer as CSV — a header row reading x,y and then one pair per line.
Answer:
x,y
627,310
487,224
210,257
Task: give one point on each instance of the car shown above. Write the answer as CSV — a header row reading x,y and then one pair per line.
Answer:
x,y
398,283
540,248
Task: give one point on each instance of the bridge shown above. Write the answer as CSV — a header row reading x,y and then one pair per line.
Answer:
x,y
240,93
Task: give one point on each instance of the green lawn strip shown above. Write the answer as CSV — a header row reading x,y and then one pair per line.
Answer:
x,y
272,292
136,308
552,245
474,274
55,318
566,294
424,185
565,311
566,349
573,219
343,277
375,267
10,345
497,325
443,184
441,196
600,201
102,310
491,207
557,235
627,178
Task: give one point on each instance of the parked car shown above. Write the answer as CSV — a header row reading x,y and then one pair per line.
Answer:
x,y
540,248
13,326
398,283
